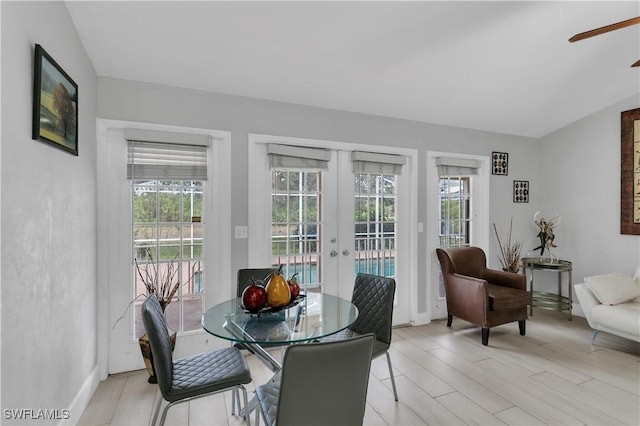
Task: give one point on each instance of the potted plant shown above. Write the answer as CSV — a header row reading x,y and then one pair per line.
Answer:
x,y
509,255
161,280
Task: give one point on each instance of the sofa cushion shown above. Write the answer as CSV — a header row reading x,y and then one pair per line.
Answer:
x,y
611,289
501,297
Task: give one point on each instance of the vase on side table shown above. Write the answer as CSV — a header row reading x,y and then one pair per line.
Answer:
x,y
147,356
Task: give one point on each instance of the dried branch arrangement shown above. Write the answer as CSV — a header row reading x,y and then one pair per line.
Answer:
x,y
510,253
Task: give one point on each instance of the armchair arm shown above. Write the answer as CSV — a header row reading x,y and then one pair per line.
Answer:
x,y
467,298
506,279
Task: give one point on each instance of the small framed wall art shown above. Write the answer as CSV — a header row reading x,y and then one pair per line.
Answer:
x,y
55,104
499,163
520,191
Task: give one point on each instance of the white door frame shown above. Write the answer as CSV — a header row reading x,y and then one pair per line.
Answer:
x,y
115,245
480,222
259,201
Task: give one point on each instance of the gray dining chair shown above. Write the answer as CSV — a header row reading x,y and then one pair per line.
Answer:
x,y
194,376
322,383
373,295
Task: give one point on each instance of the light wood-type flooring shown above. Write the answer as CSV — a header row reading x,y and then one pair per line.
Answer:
x,y
551,376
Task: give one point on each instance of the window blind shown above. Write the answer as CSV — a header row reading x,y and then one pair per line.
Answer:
x,y
298,157
374,162
452,166
169,156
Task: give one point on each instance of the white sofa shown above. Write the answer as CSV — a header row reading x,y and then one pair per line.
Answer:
x,y
611,303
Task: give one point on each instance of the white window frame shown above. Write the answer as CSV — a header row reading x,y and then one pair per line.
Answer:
x,y
480,194
259,201
115,234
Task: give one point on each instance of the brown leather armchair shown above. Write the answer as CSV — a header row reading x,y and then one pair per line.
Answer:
x,y
484,297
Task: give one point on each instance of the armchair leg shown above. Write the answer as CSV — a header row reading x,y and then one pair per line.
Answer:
x,y
522,324
485,336
449,320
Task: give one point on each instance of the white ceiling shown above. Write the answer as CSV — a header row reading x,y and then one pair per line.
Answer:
x,y
498,66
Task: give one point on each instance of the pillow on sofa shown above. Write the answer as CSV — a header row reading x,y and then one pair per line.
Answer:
x,y
611,289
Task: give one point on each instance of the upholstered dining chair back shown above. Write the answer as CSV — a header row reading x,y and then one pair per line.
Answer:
x,y
321,383
245,276
373,296
155,325
194,376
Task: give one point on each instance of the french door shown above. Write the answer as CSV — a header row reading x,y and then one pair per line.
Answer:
x,y
329,222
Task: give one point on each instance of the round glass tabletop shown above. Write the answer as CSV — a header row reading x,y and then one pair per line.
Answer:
x,y
315,316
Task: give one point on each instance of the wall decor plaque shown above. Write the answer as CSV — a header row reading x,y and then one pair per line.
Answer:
x,y
499,163
520,191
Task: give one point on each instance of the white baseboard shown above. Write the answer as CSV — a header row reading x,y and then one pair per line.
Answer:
x,y
421,319
82,398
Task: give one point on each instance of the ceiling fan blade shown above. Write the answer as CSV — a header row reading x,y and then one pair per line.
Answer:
x,y
636,63
605,29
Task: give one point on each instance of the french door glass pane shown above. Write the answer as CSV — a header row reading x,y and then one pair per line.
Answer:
x,y
375,224
455,215
296,204
168,248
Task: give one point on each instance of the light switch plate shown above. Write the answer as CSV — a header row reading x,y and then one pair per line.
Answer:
x,y
241,232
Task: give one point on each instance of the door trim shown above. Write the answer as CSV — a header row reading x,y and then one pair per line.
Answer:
x,y
479,233
259,194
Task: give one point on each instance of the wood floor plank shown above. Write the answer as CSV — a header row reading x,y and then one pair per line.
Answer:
x,y
104,401
467,410
561,399
428,409
516,417
511,390
612,393
458,381
614,409
421,377
135,404
393,413
553,375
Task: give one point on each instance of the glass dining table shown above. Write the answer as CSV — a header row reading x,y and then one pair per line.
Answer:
x,y
314,316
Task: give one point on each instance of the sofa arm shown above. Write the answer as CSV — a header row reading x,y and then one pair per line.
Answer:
x,y
467,298
587,301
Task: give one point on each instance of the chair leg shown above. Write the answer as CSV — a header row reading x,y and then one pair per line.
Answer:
x,y
157,409
393,380
247,412
234,399
485,336
593,338
449,320
164,414
522,324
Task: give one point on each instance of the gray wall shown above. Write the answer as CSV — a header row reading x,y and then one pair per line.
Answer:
x,y
580,174
135,101
48,224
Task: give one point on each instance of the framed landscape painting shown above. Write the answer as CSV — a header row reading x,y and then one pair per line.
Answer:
x,y
55,104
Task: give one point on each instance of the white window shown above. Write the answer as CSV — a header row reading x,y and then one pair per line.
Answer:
x,y
296,208
455,218
375,224
458,211
168,190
